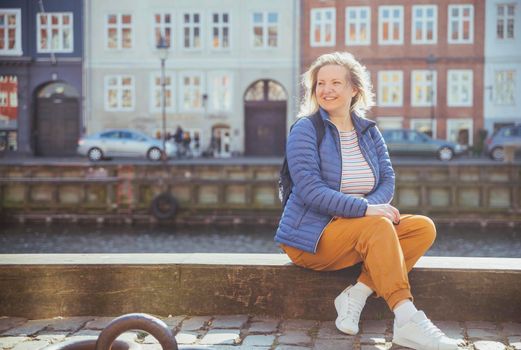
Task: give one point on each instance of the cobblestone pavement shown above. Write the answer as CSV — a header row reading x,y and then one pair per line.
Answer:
x,y
251,332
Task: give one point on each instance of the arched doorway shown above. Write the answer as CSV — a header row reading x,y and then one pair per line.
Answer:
x,y
56,120
265,118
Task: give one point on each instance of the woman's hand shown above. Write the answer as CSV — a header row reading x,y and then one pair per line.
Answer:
x,y
385,210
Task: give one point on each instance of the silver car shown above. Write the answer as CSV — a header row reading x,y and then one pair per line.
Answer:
x,y
506,136
415,143
122,143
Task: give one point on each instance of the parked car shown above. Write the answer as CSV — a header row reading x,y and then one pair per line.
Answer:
x,y
506,135
122,143
412,142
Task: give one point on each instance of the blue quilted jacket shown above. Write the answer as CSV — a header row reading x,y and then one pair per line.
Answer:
x,y
316,198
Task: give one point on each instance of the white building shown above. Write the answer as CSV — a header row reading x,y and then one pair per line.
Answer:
x,y
231,71
502,97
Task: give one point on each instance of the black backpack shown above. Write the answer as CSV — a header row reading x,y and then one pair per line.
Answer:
x,y
285,182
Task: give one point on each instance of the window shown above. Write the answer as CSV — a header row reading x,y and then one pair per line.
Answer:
x,y
460,131
461,24
459,88
164,27
390,25
323,29
265,29
423,85
505,21
504,87
358,25
191,96
156,101
220,30
119,93
54,32
192,30
119,31
424,125
390,122
221,88
10,32
390,87
424,24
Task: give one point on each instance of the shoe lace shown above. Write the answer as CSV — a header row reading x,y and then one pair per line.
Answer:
x,y
430,330
353,309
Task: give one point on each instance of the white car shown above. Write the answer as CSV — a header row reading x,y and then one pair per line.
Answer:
x,y
123,143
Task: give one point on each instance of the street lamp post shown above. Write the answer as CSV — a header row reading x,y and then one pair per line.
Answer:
x,y
162,48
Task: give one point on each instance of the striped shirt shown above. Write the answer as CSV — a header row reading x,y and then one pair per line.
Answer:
x,y
357,177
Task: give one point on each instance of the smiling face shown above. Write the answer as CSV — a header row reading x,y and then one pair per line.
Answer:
x,y
333,90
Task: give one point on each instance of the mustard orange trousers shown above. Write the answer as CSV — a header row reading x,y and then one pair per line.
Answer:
x,y
388,251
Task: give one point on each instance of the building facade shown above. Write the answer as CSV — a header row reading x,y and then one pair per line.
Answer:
x,y
425,58
41,48
502,85
229,75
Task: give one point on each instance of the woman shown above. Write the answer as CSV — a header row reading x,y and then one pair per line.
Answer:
x,y
338,213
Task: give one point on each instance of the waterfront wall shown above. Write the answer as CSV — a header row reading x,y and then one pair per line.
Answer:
x,y
240,193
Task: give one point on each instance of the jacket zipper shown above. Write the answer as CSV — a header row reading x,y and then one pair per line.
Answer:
x,y
362,150
339,186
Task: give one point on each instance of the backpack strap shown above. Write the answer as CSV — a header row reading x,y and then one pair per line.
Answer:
x,y
320,130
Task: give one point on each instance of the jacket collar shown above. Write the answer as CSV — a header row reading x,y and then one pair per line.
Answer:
x,y
361,124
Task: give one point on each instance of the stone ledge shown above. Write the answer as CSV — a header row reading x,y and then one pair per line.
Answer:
x,y
47,285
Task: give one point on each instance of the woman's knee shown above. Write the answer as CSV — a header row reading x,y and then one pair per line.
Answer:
x,y
427,227
384,228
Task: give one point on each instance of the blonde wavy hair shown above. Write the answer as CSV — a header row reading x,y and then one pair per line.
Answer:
x,y
357,76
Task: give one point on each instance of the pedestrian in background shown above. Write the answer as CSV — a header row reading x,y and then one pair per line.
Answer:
x,y
178,139
187,152
338,213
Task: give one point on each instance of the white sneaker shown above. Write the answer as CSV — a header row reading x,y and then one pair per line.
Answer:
x,y
348,307
421,334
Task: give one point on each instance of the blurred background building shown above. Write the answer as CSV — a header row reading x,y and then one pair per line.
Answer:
x,y
41,85
448,68
230,72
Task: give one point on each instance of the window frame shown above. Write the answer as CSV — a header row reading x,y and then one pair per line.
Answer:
x,y
210,78
171,87
460,39
221,25
191,73
381,40
505,18
265,32
391,119
120,89
424,22
322,23
434,125
458,73
391,85
495,86
162,26
357,23
433,83
451,121
17,50
49,27
191,27
119,26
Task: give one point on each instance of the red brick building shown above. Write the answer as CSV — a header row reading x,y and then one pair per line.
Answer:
x,y
409,47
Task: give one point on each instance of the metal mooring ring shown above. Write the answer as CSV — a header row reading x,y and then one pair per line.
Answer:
x,y
107,338
152,325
